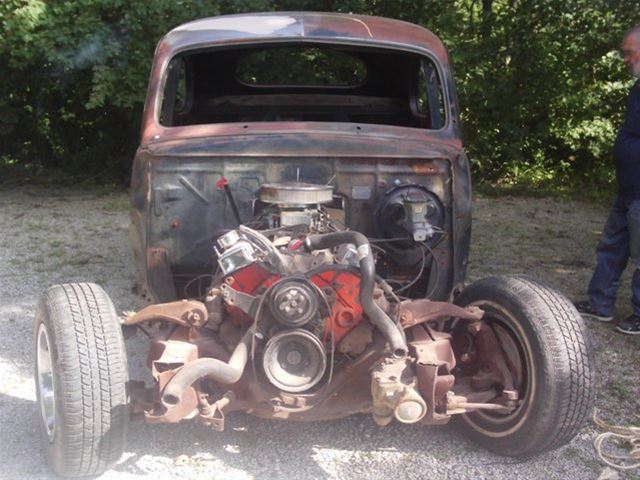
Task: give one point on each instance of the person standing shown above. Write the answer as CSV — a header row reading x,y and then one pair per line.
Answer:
x,y
621,235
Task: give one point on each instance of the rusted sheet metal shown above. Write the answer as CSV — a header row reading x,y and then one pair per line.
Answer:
x,y
310,139
158,274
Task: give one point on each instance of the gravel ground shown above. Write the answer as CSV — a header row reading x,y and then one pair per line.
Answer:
x,y
55,236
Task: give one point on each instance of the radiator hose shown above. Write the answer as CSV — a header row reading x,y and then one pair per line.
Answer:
x,y
376,315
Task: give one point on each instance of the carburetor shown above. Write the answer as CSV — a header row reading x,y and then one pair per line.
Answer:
x,y
293,203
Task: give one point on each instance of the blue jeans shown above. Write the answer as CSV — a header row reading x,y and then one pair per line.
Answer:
x,y
620,241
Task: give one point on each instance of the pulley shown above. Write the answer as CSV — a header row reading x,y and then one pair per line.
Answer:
x,y
293,302
294,360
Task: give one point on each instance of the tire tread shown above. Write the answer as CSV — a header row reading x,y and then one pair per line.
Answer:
x,y
576,349
93,375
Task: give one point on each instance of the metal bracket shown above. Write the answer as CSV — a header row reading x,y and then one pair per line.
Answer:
x,y
183,312
215,418
414,312
245,302
494,369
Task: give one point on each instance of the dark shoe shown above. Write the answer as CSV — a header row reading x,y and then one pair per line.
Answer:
x,y
630,325
587,311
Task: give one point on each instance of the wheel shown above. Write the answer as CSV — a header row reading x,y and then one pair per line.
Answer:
x,y
80,376
547,349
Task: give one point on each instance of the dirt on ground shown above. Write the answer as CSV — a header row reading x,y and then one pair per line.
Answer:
x,y
57,236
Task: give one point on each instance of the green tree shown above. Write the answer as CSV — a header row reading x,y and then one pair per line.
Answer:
x,y
541,84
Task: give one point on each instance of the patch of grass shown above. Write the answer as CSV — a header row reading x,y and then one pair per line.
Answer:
x,y
78,261
33,225
85,260
622,389
572,452
115,204
587,192
101,183
593,464
57,252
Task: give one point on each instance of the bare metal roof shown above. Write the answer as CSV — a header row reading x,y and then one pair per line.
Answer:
x,y
303,26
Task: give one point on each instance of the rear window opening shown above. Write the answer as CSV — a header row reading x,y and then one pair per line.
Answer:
x,y
303,67
325,83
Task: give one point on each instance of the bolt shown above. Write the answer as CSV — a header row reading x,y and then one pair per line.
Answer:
x,y
474,327
294,357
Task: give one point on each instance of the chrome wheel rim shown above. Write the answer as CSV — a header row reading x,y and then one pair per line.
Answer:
x,y
46,391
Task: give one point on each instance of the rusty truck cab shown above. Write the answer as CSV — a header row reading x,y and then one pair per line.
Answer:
x,y
366,104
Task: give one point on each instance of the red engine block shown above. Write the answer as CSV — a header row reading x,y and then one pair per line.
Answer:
x,y
341,288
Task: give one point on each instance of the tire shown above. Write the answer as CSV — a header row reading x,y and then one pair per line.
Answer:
x,y
81,377
542,333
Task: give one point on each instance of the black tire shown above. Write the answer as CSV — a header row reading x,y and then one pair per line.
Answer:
x,y
557,371
80,357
